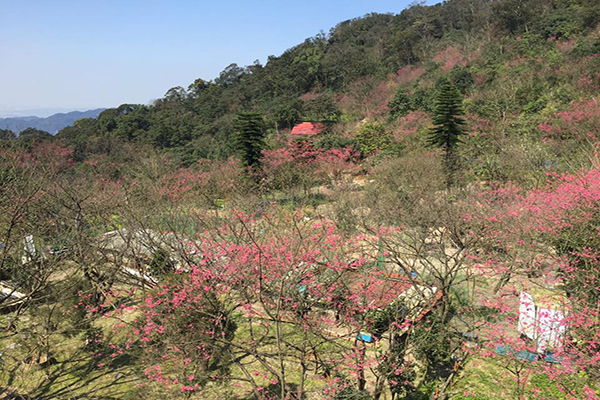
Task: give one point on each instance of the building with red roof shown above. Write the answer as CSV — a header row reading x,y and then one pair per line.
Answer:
x,y
307,129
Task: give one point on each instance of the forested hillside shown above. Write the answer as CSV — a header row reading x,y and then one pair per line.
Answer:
x,y
430,231
517,62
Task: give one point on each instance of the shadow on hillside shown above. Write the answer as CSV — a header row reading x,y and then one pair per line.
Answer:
x,y
274,391
80,378
8,394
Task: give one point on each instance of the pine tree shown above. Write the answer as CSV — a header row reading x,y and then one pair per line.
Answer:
x,y
448,126
249,139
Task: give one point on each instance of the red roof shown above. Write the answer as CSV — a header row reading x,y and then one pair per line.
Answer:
x,y
308,128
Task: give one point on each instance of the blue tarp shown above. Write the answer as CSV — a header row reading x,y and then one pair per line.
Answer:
x,y
552,359
523,354
366,337
528,355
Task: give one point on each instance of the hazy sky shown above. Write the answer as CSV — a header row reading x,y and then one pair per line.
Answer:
x,y
82,54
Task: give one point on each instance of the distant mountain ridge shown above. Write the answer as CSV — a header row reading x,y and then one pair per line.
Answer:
x,y
51,124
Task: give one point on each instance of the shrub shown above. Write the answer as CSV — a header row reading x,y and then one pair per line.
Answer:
x,y
372,137
400,105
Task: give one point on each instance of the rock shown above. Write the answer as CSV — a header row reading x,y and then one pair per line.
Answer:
x,y
361,211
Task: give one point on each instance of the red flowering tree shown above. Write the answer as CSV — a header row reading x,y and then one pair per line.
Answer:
x,y
574,130
543,241
301,164
279,299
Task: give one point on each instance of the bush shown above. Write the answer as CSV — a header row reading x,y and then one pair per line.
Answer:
x,y
432,340
161,264
334,141
422,99
400,105
586,47
372,137
462,78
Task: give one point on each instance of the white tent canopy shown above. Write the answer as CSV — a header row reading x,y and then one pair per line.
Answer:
x,y
542,318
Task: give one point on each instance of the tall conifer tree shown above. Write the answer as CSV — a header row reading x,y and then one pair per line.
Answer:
x,y
449,126
249,139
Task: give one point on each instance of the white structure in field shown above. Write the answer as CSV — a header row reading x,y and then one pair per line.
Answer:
x,y
542,318
30,252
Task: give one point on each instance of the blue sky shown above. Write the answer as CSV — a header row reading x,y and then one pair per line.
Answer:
x,y
80,54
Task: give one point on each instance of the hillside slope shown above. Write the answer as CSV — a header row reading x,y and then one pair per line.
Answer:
x,y
518,64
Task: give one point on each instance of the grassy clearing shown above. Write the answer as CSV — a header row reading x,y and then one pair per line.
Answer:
x,y
69,373
488,379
